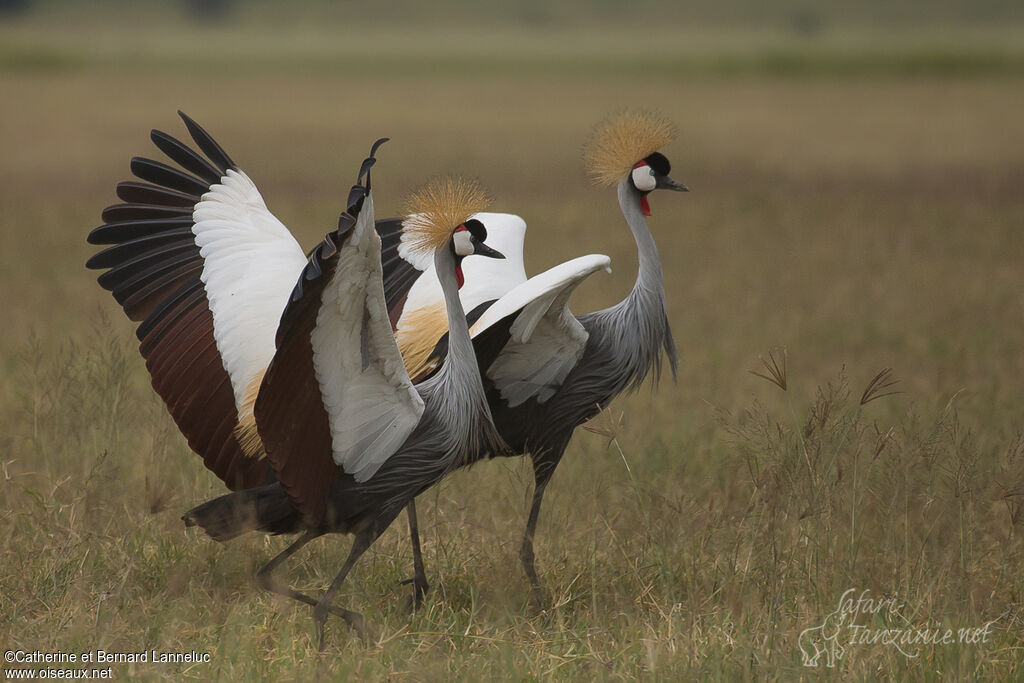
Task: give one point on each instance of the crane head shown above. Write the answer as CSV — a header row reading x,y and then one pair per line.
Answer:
x,y
467,240
652,173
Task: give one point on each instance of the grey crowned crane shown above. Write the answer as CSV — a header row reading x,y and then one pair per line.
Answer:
x,y
553,371
350,438
208,270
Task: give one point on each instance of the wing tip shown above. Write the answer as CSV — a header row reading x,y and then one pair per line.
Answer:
x,y
210,147
95,237
188,120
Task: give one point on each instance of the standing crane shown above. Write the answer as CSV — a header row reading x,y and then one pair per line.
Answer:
x,y
201,262
351,440
555,371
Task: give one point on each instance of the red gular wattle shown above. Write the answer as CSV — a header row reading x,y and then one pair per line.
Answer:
x,y
644,205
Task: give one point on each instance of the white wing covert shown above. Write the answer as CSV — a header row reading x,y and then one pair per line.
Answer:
x,y
250,264
545,340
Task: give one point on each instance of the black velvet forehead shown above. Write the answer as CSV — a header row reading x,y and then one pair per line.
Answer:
x,y
476,229
659,162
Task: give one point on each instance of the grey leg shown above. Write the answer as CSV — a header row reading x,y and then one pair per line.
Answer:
x,y
362,542
268,582
526,556
419,579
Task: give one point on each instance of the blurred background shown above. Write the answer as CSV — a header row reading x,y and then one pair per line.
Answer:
x,y
838,151
856,166
856,170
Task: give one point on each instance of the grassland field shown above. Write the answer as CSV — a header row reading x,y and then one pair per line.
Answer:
x,y
844,216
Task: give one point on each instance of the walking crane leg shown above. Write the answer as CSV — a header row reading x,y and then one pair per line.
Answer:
x,y
542,475
419,578
268,582
363,540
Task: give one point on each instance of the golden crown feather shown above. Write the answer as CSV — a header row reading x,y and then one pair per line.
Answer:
x,y
434,211
623,139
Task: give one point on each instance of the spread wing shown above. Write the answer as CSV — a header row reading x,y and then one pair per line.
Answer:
x,y
336,393
544,340
421,321
198,258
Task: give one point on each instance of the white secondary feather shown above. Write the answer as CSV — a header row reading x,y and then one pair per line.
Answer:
x,y
485,279
371,403
546,340
250,265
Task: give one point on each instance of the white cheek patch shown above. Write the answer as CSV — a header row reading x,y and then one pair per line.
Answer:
x,y
463,243
643,178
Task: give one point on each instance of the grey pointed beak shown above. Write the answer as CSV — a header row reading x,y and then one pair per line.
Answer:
x,y
665,183
481,249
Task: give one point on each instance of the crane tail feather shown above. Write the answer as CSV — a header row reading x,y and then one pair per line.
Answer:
x,y
266,509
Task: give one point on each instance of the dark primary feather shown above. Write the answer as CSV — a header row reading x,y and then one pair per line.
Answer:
x,y
160,173
140,269
138,246
209,146
163,316
183,155
145,193
138,234
138,212
140,300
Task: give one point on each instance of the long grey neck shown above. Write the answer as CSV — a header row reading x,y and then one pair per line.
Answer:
x,y
462,398
458,402
639,323
649,290
460,345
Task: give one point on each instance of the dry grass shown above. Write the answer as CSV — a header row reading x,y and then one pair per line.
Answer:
x,y
858,224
